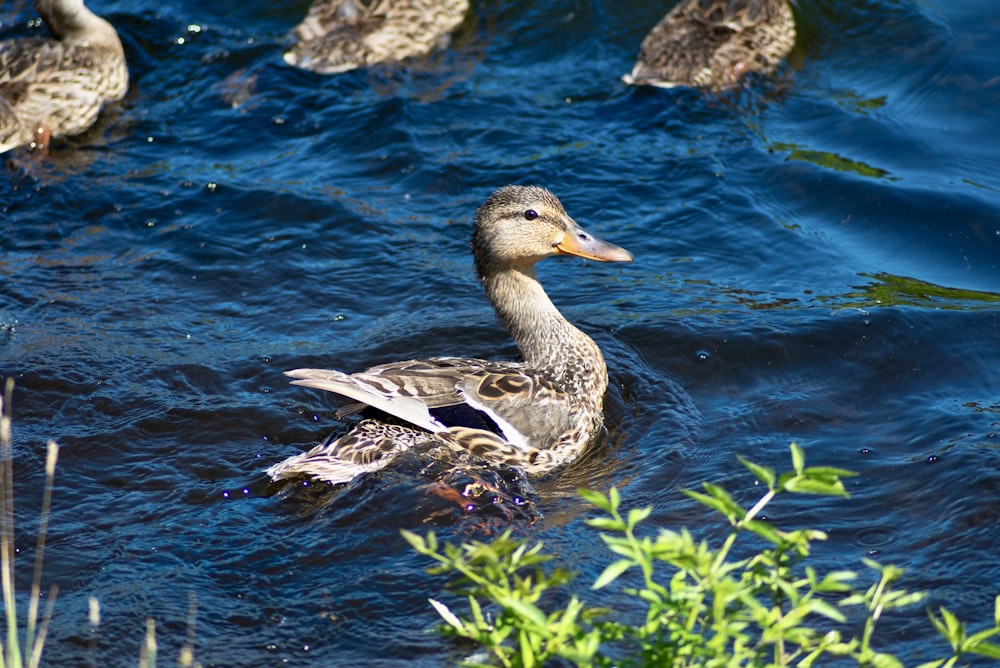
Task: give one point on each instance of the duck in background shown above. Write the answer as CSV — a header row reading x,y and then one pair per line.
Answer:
x,y
713,44
341,35
534,415
56,87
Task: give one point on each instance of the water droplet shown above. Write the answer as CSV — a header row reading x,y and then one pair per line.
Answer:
x,y
865,451
933,459
702,355
211,186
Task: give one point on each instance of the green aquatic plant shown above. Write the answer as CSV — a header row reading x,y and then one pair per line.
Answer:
x,y
831,161
889,290
704,605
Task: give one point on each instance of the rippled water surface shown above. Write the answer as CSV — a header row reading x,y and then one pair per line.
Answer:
x,y
816,261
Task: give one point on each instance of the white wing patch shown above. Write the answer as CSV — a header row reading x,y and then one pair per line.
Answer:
x,y
508,431
412,410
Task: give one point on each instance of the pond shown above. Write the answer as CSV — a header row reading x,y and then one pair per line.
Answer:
x,y
816,260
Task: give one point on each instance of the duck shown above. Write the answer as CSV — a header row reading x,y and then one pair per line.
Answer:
x,y
534,414
714,44
341,35
56,87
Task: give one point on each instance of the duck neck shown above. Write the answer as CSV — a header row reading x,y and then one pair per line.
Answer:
x,y
547,341
71,20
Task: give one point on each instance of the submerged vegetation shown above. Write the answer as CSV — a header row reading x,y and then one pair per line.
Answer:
x,y
704,606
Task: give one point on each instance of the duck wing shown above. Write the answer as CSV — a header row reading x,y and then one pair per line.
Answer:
x,y
59,84
341,35
505,398
712,43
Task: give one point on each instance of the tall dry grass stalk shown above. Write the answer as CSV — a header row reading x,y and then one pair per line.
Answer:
x,y
12,653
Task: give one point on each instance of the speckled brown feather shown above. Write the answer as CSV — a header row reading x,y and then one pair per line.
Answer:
x,y
713,44
60,84
546,408
341,35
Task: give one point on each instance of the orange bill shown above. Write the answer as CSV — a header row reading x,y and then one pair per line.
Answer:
x,y
582,243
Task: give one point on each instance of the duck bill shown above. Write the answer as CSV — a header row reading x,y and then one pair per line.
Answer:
x,y
582,243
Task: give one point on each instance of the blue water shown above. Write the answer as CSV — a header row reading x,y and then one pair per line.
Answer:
x,y
816,260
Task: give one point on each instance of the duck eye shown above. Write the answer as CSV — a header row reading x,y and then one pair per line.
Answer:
x,y
530,214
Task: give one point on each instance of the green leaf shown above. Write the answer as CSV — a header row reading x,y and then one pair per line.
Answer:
x,y
984,649
941,628
765,530
611,573
828,472
528,612
415,541
798,458
827,610
979,637
637,515
762,473
595,498
605,523
614,498
885,661
904,599
956,629
477,612
718,500
810,486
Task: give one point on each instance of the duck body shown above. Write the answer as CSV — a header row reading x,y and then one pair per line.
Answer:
x,y
56,87
341,35
713,44
534,414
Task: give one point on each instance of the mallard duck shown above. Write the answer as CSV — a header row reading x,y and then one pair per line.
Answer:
x,y
56,87
535,414
713,44
341,35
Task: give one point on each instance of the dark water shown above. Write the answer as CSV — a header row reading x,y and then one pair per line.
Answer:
x,y
816,260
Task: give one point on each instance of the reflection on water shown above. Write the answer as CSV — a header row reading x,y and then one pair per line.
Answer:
x,y
814,261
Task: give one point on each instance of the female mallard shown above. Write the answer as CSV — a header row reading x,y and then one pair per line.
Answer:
x,y
56,87
713,44
535,414
341,35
